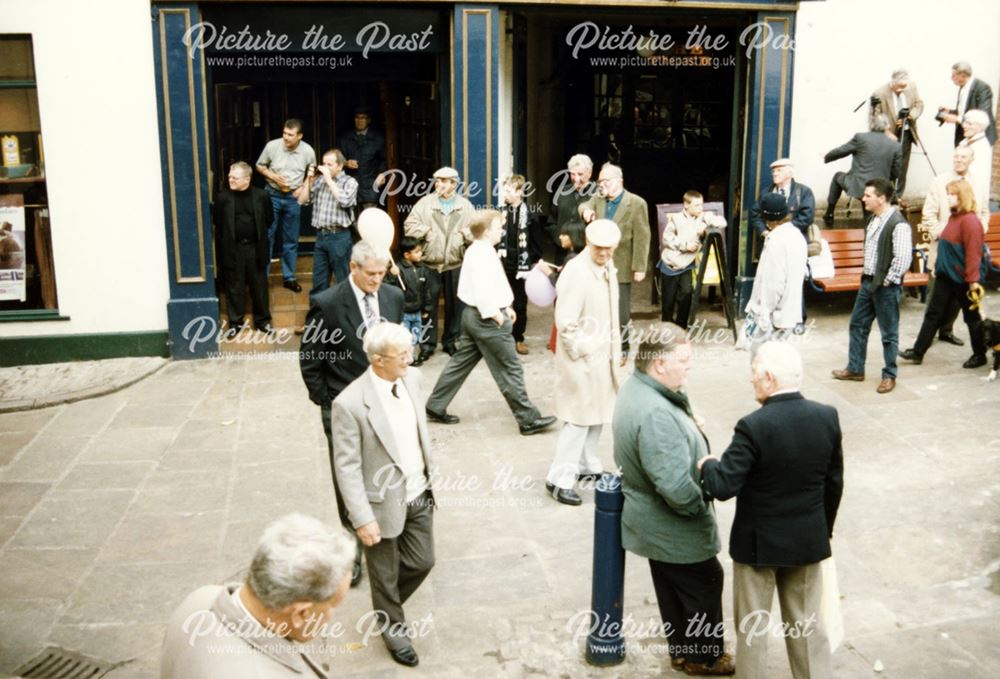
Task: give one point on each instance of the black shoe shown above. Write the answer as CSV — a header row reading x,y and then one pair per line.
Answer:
x,y
566,497
975,361
293,285
951,339
265,328
450,349
425,355
911,355
356,574
232,331
828,219
418,361
443,418
539,425
405,656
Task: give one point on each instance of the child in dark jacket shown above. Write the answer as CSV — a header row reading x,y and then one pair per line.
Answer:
x,y
411,276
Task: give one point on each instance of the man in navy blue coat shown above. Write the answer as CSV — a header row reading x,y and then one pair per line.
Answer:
x,y
785,467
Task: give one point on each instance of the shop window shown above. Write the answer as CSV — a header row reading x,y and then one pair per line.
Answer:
x,y
27,277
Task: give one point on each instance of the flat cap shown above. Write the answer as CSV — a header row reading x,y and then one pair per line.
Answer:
x,y
603,233
446,173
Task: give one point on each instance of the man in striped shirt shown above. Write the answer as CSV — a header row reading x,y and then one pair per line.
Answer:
x,y
888,252
333,194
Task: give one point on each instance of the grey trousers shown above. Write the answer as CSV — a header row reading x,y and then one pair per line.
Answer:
x,y
345,520
397,566
800,590
482,338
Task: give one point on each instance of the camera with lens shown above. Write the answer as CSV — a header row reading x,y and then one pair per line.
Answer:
x,y
903,114
874,101
941,113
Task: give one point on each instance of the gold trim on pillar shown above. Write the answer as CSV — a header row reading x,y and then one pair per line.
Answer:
x,y
179,278
208,147
451,74
465,98
781,102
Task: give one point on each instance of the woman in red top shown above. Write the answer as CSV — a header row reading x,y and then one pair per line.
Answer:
x,y
959,254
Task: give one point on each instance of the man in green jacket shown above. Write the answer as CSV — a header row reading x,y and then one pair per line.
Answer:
x,y
631,214
666,518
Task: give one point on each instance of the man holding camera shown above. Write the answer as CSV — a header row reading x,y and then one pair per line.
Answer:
x,y
973,94
901,103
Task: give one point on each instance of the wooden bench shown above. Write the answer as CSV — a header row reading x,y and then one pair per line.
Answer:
x,y
848,249
992,239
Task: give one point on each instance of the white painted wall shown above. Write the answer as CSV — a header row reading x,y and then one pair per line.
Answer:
x,y
97,100
847,48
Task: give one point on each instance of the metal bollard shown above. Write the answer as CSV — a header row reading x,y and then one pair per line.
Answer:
x,y
606,643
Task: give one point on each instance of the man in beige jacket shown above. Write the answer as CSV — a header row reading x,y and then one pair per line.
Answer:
x,y
631,214
441,220
587,359
299,574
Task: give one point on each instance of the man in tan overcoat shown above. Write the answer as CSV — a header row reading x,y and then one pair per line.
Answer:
x,y
588,355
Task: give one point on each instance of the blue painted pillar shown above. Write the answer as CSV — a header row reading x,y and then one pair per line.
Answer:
x,y
769,123
475,91
193,308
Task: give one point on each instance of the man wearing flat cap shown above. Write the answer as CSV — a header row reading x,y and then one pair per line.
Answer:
x,y
364,149
588,352
442,221
798,197
775,305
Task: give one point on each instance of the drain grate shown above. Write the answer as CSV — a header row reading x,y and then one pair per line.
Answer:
x,y
58,663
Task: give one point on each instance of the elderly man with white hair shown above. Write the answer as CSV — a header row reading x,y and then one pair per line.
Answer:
x,y
588,355
785,466
573,189
899,100
974,125
382,458
299,574
873,156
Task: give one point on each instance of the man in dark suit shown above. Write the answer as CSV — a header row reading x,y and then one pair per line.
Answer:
x,y
382,462
364,149
785,467
888,254
873,156
242,215
973,94
332,355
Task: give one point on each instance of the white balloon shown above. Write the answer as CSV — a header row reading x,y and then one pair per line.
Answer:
x,y
376,227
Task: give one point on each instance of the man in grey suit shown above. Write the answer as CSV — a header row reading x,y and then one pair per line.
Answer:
x,y
332,355
382,460
873,156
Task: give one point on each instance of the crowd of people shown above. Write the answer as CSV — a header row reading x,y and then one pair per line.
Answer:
x,y
784,463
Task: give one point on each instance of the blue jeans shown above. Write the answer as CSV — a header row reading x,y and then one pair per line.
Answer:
x,y
332,252
872,303
411,321
286,212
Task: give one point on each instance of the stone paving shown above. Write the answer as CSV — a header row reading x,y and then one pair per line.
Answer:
x,y
112,509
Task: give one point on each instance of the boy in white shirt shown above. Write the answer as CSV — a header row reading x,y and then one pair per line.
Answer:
x,y
487,321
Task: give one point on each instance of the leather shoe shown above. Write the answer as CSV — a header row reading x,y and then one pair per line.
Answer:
x,y
293,285
443,418
951,339
566,497
265,328
724,665
539,425
848,376
356,574
886,385
522,348
450,349
911,355
405,656
425,355
828,220
975,361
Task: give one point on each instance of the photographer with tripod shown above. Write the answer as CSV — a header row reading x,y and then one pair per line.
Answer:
x,y
900,102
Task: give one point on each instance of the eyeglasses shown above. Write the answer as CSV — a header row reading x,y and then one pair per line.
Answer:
x,y
407,356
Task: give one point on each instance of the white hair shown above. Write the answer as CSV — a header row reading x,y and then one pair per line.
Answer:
x,y
300,558
963,67
782,361
977,117
363,251
900,75
385,336
879,123
580,160
613,169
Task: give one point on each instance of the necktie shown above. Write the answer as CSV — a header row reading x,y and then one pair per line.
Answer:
x,y
394,394
370,318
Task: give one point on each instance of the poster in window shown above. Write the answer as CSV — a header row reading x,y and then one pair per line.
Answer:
x,y
12,253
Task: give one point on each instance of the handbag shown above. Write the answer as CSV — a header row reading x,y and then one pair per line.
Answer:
x,y
829,607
